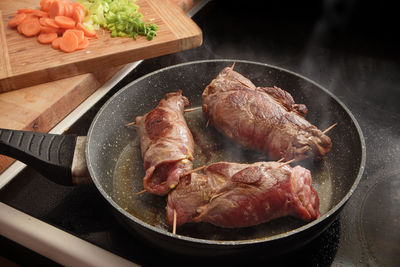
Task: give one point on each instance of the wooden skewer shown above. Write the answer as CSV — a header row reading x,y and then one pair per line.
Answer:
x,y
207,123
233,65
285,163
141,192
174,223
192,171
192,109
130,124
330,128
281,160
215,196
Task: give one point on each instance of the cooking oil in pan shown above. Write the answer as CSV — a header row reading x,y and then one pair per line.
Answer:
x,y
128,185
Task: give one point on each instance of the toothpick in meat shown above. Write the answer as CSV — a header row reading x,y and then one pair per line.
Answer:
x,y
329,128
141,192
192,109
192,171
286,163
174,223
133,123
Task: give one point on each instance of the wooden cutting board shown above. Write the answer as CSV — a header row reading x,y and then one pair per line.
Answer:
x,y
25,62
40,107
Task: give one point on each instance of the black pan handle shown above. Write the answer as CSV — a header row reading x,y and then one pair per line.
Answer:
x,y
49,154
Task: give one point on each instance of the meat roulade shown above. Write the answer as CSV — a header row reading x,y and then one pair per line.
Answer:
x,y
166,144
262,118
234,195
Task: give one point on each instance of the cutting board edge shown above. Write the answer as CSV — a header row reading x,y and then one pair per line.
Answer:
x,y
66,71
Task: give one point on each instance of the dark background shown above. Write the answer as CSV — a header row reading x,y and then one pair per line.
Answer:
x,y
349,47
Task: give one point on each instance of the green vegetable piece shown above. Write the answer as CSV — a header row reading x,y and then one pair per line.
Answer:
x,y
121,17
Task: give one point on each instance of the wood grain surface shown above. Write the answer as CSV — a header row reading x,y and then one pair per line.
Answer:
x,y
25,62
40,107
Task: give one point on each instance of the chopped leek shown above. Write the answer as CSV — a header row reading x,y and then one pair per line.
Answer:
x,y
121,17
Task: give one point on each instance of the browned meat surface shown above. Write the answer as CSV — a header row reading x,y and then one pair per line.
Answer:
x,y
264,119
166,144
239,195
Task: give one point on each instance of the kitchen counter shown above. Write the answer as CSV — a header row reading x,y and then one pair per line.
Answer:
x,y
348,47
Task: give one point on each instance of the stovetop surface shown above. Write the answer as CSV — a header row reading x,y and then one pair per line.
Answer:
x,y
348,47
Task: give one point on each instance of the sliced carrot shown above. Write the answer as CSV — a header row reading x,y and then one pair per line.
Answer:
x,y
26,10
54,18
29,16
69,42
80,34
78,5
30,27
87,32
56,43
69,9
51,22
48,29
47,38
56,9
77,15
16,20
42,21
45,5
40,13
84,43
19,29
65,22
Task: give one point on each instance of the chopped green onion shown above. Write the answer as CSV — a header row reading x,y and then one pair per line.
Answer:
x,y
121,17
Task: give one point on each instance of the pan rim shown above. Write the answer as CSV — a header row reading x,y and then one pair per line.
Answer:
x,y
331,212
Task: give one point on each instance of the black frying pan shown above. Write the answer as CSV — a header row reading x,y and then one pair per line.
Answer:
x,y
115,165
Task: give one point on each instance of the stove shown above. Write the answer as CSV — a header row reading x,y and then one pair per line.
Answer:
x,y
348,47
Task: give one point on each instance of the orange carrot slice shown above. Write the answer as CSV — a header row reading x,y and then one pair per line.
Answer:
x,y
47,38
79,5
78,13
69,42
16,20
48,29
51,22
56,9
80,34
65,22
69,9
30,27
56,43
45,5
84,43
25,10
87,32
40,13
42,21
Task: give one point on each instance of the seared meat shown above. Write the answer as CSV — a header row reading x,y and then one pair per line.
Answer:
x,y
264,119
166,144
239,195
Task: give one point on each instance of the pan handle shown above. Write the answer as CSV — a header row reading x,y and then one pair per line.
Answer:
x,y
49,154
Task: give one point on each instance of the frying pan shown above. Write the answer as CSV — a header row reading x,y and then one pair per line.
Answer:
x,y
112,153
